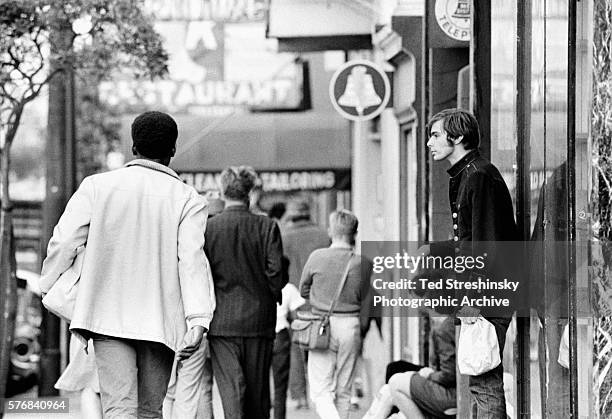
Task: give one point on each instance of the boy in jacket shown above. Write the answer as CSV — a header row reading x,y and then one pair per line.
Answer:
x,y
482,217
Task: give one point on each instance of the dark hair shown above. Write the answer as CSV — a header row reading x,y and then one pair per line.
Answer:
x,y
458,122
154,134
237,182
277,210
298,209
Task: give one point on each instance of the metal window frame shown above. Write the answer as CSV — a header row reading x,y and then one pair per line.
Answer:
x,y
480,103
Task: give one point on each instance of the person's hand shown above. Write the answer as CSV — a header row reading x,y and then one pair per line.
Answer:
x,y
191,342
425,372
468,315
424,250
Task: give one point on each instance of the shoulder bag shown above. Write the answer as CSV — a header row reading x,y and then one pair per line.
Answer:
x,y
311,331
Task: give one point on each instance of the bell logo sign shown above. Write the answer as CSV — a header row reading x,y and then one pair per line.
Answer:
x,y
359,90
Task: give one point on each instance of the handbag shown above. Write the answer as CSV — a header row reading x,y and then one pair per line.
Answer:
x,y
478,348
61,297
311,331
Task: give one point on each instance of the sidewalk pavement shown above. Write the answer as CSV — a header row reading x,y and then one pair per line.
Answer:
x,y
371,369
75,409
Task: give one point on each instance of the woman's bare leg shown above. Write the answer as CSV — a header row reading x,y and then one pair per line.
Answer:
x,y
400,394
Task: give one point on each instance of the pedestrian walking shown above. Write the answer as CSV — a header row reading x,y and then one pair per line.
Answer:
x,y
81,375
482,215
245,252
300,238
189,393
145,290
285,313
331,371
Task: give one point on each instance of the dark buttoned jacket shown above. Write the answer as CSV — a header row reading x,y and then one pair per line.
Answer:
x,y
245,254
483,218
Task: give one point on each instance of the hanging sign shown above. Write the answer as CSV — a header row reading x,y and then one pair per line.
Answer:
x,y
359,90
453,17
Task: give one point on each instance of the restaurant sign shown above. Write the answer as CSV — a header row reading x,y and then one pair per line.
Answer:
x,y
186,96
220,62
214,10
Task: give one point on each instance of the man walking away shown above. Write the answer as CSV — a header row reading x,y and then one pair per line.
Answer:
x,y
331,371
145,288
245,252
301,237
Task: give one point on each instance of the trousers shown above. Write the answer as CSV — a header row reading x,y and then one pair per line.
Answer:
x,y
134,376
331,371
241,366
487,390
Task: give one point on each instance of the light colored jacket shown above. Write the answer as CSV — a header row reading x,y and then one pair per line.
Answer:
x,y
145,274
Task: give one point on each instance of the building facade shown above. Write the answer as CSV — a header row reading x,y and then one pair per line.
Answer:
x,y
537,75
239,101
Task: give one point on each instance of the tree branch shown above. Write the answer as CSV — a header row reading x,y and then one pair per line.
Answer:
x,y
14,119
17,64
5,94
38,46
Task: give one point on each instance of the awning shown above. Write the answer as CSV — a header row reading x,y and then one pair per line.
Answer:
x,y
268,142
332,24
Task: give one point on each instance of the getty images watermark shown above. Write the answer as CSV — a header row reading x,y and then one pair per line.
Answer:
x,y
37,405
498,278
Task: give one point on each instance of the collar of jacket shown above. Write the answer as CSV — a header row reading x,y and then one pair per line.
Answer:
x,y
341,246
150,164
458,167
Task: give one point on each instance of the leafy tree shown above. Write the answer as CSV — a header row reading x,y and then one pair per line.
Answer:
x,y
97,129
38,40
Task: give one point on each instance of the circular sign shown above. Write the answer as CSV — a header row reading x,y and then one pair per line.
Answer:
x,y
453,17
359,90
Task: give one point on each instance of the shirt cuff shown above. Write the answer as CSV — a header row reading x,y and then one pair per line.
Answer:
x,y
196,320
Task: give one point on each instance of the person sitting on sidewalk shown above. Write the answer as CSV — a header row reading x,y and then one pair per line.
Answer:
x,y
428,392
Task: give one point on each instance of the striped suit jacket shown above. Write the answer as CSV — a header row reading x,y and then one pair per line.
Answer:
x,y
245,254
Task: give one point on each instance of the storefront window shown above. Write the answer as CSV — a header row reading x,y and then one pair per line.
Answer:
x,y
413,344
537,175
503,91
584,92
548,357
543,119
504,138
554,377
